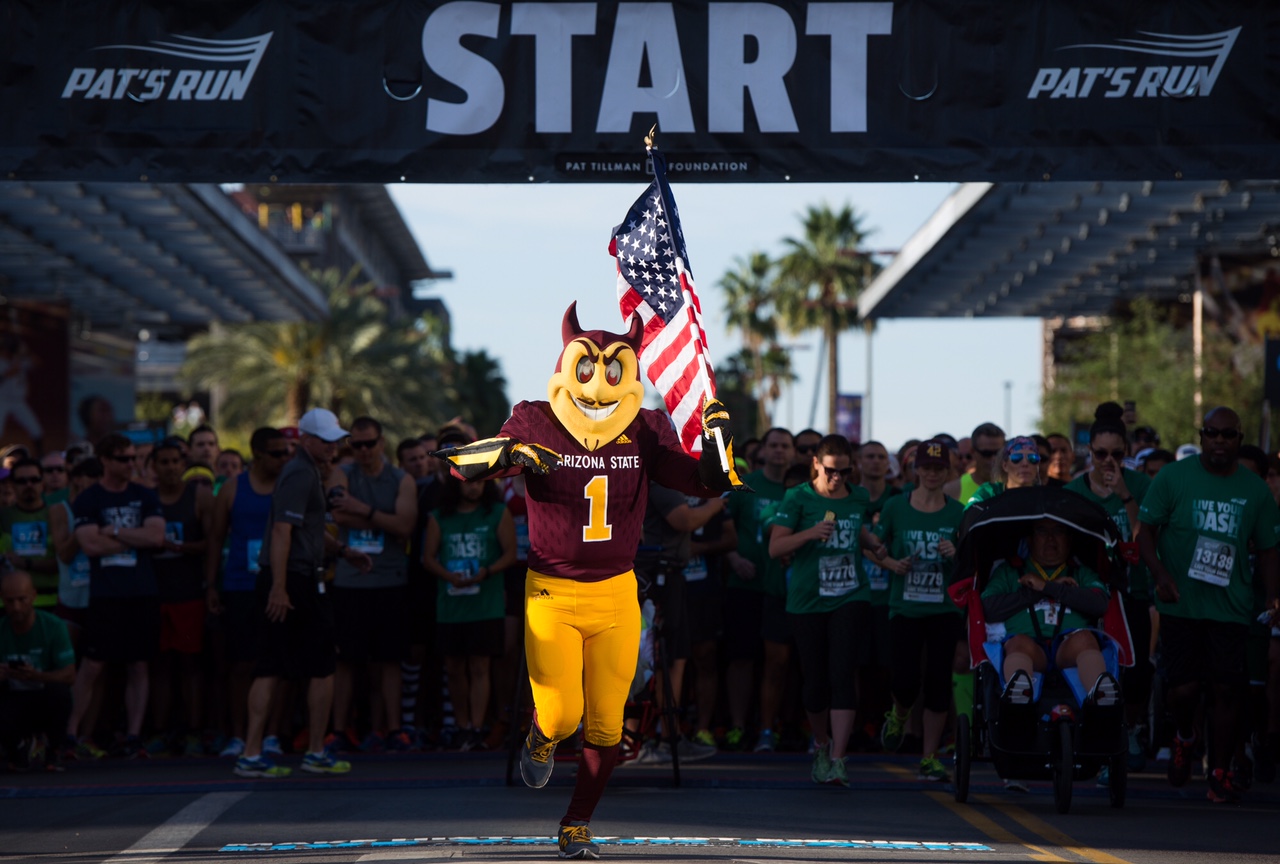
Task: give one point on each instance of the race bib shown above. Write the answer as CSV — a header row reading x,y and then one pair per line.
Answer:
x,y
370,541
30,539
470,567
79,571
253,552
173,532
522,538
877,576
923,585
1212,562
1049,611
128,558
837,575
696,569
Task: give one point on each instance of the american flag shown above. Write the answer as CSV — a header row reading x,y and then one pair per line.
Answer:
x,y
656,282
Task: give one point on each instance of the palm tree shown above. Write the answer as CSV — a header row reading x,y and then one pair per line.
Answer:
x,y
479,389
355,361
748,303
819,280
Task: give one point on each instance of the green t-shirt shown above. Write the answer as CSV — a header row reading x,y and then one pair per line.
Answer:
x,y
26,534
1137,483
825,576
877,577
1052,616
469,541
1206,524
985,492
750,513
911,532
46,647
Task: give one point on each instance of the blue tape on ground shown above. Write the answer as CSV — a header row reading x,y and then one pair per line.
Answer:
x,y
777,843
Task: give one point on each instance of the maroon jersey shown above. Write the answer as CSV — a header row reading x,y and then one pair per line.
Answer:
x,y
585,517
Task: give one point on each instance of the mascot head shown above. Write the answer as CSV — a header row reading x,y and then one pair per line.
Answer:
x,y
596,390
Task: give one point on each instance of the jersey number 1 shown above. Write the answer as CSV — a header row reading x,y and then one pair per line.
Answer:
x,y
597,530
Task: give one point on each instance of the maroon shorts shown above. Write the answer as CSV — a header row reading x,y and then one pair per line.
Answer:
x,y
182,626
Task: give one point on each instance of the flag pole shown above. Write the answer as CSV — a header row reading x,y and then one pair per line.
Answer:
x,y
695,333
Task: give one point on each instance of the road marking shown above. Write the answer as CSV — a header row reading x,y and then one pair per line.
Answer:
x,y
993,830
179,829
384,850
1048,832
890,768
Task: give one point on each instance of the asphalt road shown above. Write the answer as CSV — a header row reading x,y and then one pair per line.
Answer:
x,y
744,808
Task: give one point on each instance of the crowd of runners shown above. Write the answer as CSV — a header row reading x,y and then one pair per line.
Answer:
x,y
145,614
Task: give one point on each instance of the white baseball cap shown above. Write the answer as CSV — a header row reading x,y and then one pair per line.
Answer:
x,y
1187,450
322,423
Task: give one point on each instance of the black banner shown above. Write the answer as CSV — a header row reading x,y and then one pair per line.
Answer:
x,y
390,90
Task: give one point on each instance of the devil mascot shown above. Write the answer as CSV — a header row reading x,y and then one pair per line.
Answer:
x,y
588,454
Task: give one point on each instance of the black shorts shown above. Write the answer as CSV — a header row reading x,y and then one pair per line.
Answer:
x,y
122,629
242,617
703,598
877,648
300,646
932,637
828,646
672,600
471,638
1205,652
742,609
371,625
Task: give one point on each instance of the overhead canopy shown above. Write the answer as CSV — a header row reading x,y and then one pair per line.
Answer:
x,y
1065,249
136,254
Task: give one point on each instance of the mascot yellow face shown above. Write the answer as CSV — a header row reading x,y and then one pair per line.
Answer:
x,y
596,391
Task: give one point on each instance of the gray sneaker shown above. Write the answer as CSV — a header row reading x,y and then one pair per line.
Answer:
x,y
577,841
692,751
537,758
820,771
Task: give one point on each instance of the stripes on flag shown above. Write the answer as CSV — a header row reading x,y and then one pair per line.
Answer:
x,y
656,283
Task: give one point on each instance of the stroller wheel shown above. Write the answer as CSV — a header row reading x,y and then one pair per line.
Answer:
x,y
964,757
1065,770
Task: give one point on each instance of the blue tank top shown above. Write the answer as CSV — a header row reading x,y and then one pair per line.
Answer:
x,y
249,514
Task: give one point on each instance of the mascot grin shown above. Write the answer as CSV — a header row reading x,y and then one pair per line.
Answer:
x,y
596,390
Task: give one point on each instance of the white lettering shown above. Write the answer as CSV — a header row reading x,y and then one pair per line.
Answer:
x,y
553,26
1149,84
126,75
474,75
101,88
645,30
79,81
849,25
1120,81
211,85
156,79
184,84
1046,80
1068,85
729,76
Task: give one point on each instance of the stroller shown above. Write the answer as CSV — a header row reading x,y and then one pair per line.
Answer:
x,y
1058,736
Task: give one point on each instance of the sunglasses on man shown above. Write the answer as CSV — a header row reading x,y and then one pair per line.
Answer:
x,y
1104,454
1226,434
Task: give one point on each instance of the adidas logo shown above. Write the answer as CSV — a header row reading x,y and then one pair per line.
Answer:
x,y
623,439
541,594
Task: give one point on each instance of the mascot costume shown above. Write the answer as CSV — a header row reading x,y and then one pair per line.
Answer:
x,y
588,454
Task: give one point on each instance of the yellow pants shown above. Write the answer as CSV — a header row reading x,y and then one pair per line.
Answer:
x,y
581,640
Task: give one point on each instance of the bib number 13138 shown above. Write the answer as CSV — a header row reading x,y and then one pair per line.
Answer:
x,y
597,529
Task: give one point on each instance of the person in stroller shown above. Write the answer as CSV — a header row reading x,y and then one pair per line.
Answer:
x,y
1049,605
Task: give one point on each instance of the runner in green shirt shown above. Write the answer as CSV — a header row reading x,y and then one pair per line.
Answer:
x,y
1020,467
919,530
1197,522
823,524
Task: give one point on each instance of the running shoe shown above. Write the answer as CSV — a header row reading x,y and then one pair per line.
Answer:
x,y
536,759
932,769
324,763
86,751
734,738
705,738
258,766
1106,691
1019,690
839,773
1221,788
1016,786
399,741
577,841
693,751
372,743
235,748
1180,757
334,742
1104,777
191,746
271,746
767,742
654,753
891,733
1137,756
132,748
821,768
157,745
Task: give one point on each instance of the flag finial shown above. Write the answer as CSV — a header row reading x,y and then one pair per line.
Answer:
x,y
651,140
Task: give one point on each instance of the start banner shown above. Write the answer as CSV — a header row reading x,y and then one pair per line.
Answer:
x,y
474,92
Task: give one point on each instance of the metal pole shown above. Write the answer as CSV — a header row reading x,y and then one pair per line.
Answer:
x,y
869,327
1008,408
1197,348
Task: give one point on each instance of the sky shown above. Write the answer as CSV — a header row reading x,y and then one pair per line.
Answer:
x,y
520,254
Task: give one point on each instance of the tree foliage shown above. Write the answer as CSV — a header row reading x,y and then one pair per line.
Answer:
x,y
1146,356
356,361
